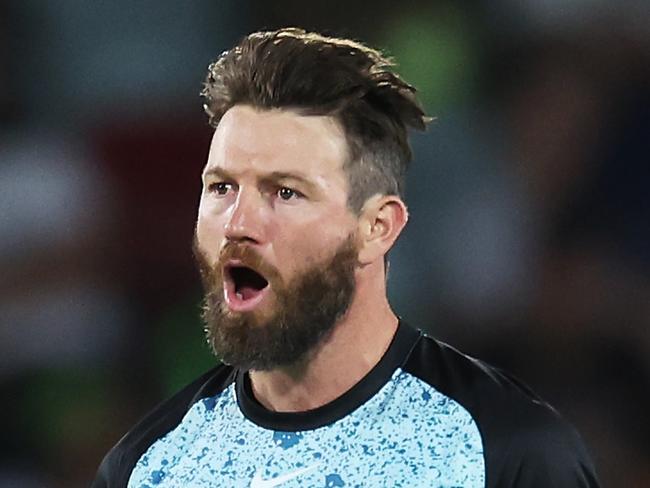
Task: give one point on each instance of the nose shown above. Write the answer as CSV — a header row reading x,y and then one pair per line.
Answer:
x,y
247,221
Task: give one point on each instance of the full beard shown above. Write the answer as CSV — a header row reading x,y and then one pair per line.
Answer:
x,y
304,312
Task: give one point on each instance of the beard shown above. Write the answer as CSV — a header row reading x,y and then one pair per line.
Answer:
x,y
303,312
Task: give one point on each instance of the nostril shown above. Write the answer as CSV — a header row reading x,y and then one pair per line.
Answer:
x,y
242,239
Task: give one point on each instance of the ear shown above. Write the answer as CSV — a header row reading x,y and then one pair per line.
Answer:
x,y
381,222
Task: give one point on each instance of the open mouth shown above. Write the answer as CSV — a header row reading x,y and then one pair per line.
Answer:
x,y
244,287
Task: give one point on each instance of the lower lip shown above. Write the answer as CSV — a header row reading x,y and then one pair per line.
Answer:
x,y
237,304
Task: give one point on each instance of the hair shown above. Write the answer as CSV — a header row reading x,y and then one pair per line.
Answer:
x,y
313,74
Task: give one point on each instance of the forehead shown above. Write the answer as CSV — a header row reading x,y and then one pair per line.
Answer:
x,y
248,139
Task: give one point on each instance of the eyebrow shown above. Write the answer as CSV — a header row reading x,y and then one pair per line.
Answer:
x,y
218,172
274,176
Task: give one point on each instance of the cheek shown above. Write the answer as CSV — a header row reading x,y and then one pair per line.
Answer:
x,y
209,233
311,245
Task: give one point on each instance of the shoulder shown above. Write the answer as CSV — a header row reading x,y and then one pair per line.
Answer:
x,y
477,386
525,441
115,469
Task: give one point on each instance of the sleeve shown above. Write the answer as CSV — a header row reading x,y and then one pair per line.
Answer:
x,y
115,469
549,454
110,474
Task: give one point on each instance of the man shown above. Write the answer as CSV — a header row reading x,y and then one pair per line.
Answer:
x,y
320,384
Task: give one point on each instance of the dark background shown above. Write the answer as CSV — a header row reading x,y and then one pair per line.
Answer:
x,y
528,243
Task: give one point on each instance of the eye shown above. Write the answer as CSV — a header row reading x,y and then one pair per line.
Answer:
x,y
220,188
287,193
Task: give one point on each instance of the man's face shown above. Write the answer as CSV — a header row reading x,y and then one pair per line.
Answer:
x,y
275,239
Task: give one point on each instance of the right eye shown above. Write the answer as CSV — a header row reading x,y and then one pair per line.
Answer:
x,y
220,188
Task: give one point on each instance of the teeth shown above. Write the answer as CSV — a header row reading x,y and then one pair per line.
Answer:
x,y
239,295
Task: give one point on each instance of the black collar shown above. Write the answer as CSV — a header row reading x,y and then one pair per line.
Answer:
x,y
397,353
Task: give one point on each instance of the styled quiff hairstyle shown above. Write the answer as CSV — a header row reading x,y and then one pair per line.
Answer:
x,y
317,75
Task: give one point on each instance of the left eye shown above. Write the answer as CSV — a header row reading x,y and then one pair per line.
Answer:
x,y
287,193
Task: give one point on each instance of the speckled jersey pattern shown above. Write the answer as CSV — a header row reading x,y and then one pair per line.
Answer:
x,y
426,415
406,435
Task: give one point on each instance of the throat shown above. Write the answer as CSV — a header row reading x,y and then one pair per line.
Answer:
x,y
284,394
301,386
329,371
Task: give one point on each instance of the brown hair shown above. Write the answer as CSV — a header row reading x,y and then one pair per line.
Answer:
x,y
317,75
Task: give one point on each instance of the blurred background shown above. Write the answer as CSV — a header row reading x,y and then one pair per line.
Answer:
x,y
528,244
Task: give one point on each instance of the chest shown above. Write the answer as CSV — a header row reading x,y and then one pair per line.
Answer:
x,y
391,443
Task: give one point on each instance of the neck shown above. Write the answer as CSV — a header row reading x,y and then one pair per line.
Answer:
x,y
356,345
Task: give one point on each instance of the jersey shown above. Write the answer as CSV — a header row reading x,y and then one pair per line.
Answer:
x,y
425,416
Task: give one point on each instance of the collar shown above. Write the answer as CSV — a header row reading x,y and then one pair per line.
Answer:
x,y
395,356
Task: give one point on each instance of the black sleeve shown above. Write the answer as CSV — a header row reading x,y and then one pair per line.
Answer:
x,y
550,454
526,443
115,469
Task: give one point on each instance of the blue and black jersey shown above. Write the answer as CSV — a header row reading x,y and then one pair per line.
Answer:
x,y
425,416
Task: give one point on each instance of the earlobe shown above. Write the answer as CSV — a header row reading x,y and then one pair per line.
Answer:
x,y
382,219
